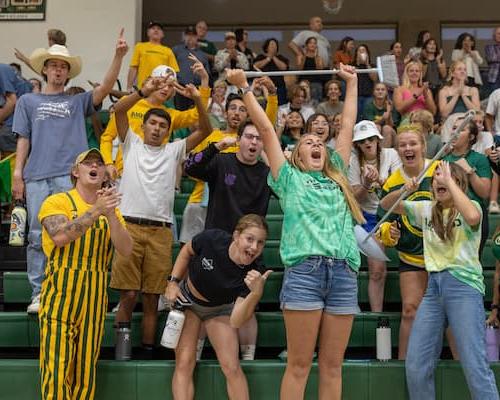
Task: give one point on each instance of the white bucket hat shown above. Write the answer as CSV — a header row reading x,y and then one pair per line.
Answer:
x,y
365,129
55,52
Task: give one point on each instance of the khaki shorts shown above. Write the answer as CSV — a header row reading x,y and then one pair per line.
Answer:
x,y
150,264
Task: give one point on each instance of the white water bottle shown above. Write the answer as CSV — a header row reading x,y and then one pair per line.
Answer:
x,y
173,328
384,347
17,225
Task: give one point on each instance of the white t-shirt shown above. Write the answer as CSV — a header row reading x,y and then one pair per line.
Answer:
x,y
484,141
305,111
148,180
493,109
389,162
323,44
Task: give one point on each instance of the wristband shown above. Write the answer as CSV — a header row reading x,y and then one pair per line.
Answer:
x,y
141,94
172,278
494,307
244,91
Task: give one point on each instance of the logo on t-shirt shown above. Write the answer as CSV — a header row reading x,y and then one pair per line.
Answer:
x,y
53,109
207,264
229,179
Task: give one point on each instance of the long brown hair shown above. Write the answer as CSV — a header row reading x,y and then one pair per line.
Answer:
x,y
445,232
335,175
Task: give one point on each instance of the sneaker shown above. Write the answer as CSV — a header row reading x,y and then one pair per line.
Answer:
x,y
34,306
116,308
494,208
162,303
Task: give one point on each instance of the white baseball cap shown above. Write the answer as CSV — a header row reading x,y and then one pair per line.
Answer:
x,y
162,71
365,129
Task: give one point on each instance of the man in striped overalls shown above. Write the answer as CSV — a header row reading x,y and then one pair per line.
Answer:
x,y
81,228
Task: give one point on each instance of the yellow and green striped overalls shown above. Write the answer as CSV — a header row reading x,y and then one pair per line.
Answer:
x,y
73,309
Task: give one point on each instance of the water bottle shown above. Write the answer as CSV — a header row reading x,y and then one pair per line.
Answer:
x,y
384,347
17,224
123,349
173,328
491,343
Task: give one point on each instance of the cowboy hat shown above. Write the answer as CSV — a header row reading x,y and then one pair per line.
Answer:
x,y
55,52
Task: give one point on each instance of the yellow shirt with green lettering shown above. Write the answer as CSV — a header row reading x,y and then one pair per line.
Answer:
x,y
147,56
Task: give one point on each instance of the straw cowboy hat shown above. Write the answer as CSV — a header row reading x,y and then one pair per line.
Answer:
x,y
55,52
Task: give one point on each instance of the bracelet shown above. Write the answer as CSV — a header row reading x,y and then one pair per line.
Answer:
x,y
174,279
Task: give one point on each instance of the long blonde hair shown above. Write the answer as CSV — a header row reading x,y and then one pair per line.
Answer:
x,y
335,175
406,80
453,66
445,233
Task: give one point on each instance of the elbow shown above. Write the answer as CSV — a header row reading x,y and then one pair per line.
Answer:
x,y
474,218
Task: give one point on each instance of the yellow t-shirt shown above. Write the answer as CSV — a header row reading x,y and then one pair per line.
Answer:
x,y
214,137
93,251
179,119
147,56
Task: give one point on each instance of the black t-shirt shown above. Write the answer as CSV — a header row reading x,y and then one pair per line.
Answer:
x,y
236,189
271,66
213,273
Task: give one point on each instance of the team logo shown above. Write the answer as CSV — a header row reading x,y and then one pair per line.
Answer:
x,y
207,264
229,179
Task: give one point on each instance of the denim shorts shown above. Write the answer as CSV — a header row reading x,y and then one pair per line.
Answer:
x,y
320,283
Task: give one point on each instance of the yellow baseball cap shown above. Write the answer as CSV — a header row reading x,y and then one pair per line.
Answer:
x,y
82,157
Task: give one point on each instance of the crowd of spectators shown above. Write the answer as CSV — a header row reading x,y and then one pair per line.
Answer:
x,y
179,112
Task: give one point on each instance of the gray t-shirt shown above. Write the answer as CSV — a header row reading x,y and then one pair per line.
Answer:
x,y
55,126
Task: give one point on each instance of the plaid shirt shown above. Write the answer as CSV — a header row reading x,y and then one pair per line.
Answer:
x,y
492,52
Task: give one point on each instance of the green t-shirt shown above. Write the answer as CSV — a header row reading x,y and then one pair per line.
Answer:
x,y
317,220
483,170
460,256
372,113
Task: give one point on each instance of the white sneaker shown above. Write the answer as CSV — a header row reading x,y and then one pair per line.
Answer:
x,y
34,306
116,308
494,208
162,303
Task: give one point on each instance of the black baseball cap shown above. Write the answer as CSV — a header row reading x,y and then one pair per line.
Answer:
x,y
155,23
190,30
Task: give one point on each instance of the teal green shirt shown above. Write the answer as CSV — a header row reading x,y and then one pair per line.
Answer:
x,y
317,220
483,170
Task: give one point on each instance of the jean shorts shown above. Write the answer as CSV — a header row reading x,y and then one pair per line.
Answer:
x,y
320,283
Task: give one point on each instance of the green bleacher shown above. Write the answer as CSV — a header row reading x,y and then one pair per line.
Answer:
x,y
129,380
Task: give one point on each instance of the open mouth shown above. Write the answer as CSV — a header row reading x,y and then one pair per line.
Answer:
x,y
409,156
93,174
441,190
252,150
316,154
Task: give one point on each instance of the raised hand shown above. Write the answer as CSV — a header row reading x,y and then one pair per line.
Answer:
x,y
236,77
190,91
411,185
197,67
121,45
225,143
347,73
370,174
20,56
255,281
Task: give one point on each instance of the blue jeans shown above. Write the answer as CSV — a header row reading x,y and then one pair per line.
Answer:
x,y
449,301
320,283
36,193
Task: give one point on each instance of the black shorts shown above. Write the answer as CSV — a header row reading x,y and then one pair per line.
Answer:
x,y
404,267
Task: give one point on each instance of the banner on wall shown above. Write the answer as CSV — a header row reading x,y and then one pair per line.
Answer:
x,y
22,10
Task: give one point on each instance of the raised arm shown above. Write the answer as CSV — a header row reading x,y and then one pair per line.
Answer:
x,y
109,80
272,146
349,113
126,103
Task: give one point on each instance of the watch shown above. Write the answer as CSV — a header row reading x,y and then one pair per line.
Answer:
x,y
244,91
494,307
172,278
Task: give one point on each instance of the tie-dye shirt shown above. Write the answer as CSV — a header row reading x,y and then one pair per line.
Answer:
x,y
317,220
460,256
